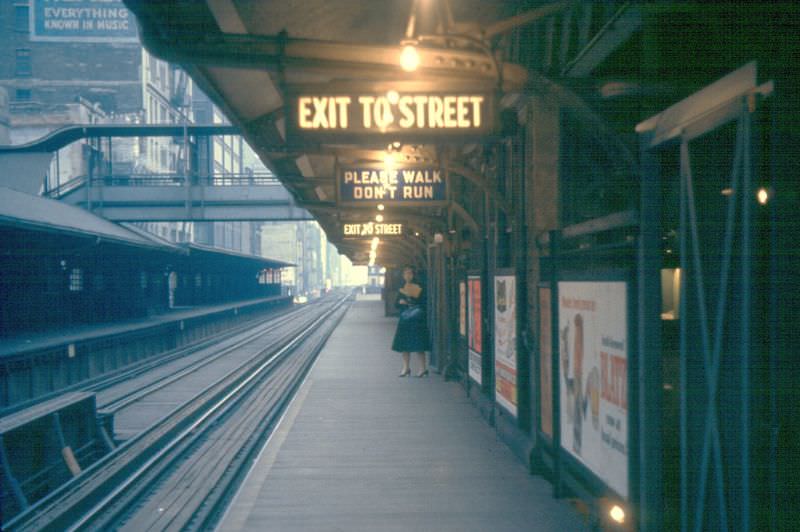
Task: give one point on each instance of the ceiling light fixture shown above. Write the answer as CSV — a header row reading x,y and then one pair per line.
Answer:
x,y
409,58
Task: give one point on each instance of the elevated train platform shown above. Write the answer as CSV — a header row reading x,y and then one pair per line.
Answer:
x,y
361,449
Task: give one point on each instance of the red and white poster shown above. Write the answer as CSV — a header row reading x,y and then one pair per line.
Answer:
x,y
474,340
462,308
593,377
505,342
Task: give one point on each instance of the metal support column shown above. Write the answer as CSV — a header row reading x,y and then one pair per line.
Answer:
x,y
646,474
487,299
16,489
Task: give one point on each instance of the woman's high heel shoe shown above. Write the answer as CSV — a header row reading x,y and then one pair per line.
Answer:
x,y
406,373
423,374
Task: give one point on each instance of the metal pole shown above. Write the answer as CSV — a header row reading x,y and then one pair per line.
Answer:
x,y
774,379
747,259
92,157
16,489
487,305
683,350
645,475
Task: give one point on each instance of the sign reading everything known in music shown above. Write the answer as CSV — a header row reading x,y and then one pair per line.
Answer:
x,y
319,116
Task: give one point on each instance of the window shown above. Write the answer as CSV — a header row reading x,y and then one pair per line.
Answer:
x,y
23,65
143,280
23,95
75,280
21,18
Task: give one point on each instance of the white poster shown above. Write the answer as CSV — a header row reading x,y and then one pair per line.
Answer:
x,y
593,377
505,342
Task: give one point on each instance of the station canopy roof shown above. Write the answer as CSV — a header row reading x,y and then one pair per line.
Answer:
x,y
21,211
219,254
257,60
25,212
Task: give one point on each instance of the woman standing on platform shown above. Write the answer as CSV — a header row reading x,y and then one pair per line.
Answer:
x,y
412,329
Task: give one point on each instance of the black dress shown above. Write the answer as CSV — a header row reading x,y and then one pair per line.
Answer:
x,y
412,328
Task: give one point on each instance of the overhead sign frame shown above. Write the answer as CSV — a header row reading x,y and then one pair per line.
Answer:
x,y
390,187
383,112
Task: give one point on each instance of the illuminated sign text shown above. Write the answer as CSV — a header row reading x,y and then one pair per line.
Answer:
x,y
358,185
397,114
372,229
378,112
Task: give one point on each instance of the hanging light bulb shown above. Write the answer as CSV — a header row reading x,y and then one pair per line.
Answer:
x,y
409,58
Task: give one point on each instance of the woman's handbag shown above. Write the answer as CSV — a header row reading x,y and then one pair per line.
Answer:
x,y
412,313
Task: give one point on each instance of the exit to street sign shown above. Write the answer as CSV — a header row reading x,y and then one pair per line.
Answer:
x,y
370,229
319,115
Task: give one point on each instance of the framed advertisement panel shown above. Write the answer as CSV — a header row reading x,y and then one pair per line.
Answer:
x,y
474,332
593,380
505,342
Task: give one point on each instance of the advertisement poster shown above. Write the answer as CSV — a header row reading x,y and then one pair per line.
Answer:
x,y
82,21
474,341
545,361
505,342
462,309
593,377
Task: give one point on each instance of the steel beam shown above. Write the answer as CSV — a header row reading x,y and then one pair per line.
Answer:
x,y
523,19
64,136
624,23
339,60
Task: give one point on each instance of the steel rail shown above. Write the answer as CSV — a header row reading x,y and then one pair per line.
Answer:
x,y
129,371
179,447
56,511
125,399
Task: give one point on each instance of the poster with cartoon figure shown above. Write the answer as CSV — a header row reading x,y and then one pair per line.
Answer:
x,y
505,342
593,376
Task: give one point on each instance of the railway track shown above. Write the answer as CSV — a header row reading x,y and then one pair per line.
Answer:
x,y
120,391
179,472
146,366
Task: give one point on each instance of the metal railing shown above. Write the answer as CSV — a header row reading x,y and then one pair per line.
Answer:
x,y
163,180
